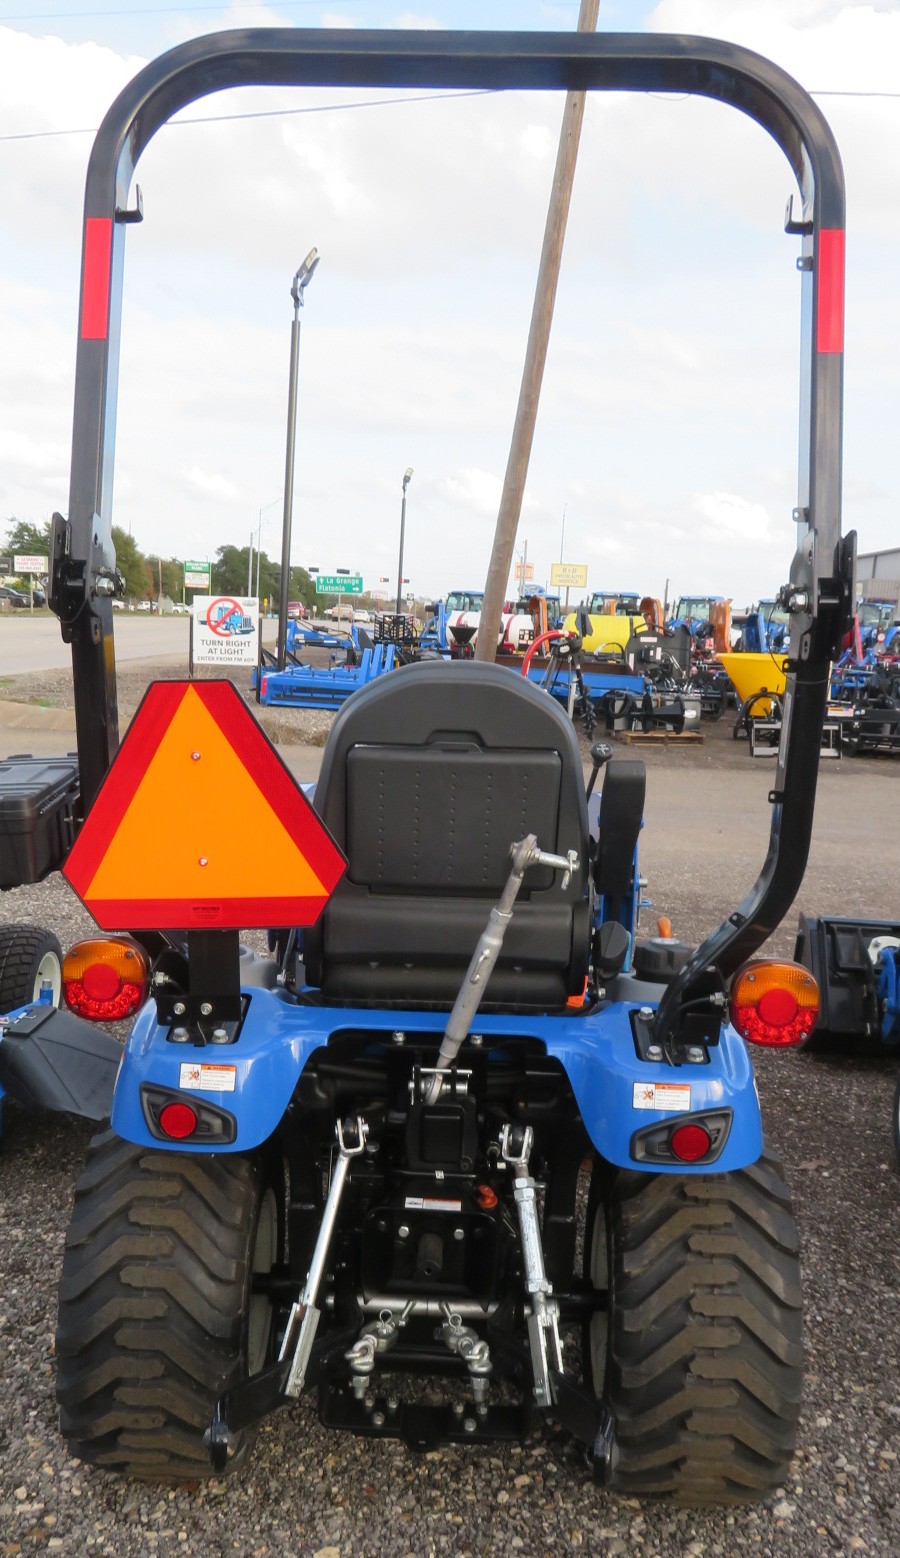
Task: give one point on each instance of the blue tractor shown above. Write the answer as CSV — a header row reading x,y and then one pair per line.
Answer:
x,y
462,1128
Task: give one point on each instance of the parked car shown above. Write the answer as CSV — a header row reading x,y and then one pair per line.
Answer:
x,y
13,598
144,605
180,610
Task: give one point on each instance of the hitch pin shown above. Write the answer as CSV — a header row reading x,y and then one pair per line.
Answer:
x,y
305,1312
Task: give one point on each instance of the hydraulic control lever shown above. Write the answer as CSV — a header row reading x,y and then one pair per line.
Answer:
x,y
471,993
601,752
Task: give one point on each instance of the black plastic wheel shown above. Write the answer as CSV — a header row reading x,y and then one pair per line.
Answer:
x,y
162,1302
29,958
698,1355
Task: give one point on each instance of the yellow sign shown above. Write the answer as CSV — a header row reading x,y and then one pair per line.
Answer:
x,y
570,576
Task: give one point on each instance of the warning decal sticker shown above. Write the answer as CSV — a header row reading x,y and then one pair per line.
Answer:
x,y
207,1079
665,1096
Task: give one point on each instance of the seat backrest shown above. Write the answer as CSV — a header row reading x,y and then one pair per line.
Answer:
x,y
430,774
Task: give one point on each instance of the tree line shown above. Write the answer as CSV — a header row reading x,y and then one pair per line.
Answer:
x,y
147,575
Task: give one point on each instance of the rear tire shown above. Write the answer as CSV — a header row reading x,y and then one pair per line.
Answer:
x,y
29,958
157,1313
699,1356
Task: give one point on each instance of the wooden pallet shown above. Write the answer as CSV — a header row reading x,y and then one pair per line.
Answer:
x,y
636,738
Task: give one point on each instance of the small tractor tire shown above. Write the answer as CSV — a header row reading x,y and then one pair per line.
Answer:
x,y
698,1356
29,958
159,1312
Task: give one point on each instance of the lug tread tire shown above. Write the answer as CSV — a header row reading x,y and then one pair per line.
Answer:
x,y
22,949
705,1348
152,1303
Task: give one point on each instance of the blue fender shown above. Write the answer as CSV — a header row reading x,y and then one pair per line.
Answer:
x,y
254,1078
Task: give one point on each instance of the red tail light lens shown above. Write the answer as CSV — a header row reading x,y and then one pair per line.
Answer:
x,y
690,1143
775,1004
178,1120
105,979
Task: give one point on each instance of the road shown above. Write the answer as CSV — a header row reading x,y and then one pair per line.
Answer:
x,y
35,643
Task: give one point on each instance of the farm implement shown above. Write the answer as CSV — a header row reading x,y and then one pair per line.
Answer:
x,y
465,1152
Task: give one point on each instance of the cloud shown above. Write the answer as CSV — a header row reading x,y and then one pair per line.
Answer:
x,y
209,484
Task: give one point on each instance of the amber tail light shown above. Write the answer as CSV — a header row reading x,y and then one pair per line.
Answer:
x,y
775,1004
106,978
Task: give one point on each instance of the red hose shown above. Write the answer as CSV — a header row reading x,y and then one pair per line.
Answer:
x,y
542,638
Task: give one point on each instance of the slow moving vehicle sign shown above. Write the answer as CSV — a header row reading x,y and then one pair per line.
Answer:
x,y
200,825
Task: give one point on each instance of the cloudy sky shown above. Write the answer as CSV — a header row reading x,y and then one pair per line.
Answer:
x,y
667,435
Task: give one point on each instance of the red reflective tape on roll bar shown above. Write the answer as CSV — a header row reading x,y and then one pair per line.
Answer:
x,y
95,285
830,308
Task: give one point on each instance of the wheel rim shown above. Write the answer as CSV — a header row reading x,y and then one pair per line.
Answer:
x,y
49,972
259,1309
598,1325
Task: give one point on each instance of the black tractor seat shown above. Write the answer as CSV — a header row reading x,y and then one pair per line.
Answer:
x,y
429,776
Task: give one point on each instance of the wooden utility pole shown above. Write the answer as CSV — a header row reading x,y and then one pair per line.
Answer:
x,y
535,357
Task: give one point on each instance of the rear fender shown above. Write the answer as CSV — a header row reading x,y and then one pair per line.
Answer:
x,y
619,1094
251,1082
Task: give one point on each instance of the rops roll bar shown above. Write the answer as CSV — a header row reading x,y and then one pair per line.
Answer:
x,y
820,587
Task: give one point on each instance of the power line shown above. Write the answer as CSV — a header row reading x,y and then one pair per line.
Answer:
x,y
163,10
332,108
266,113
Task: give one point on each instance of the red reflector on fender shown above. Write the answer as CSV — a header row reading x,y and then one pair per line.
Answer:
x,y
178,1121
690,1142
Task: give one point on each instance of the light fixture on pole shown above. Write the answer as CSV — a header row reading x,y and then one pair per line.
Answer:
x,y
302,278
407,478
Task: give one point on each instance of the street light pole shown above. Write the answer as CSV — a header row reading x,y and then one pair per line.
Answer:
x,y
407,478
299,284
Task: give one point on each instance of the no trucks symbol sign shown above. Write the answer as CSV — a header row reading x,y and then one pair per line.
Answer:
x,y
226,630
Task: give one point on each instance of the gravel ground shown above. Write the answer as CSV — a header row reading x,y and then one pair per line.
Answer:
x,y
313,1494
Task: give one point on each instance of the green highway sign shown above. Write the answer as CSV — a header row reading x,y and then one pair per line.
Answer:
x,y
196,575
339,584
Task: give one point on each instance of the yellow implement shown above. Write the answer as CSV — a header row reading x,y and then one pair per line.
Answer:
x,y
608,632
752,673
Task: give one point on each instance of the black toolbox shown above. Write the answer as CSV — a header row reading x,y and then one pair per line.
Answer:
x,y
38,807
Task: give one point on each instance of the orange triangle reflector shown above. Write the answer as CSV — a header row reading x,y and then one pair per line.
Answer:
x,y
199,824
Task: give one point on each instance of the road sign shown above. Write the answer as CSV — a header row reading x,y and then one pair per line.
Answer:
x,y
524,573
339,584
226,630
31,563
572,576
196,575
199,824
